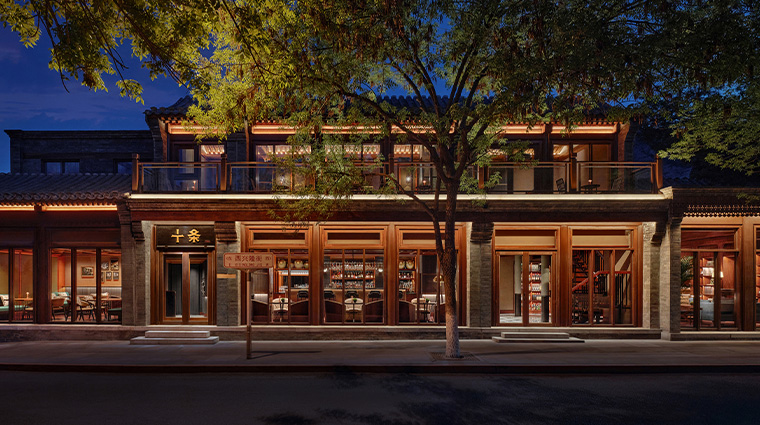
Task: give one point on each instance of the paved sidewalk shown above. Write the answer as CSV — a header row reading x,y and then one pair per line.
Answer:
x,y
481,356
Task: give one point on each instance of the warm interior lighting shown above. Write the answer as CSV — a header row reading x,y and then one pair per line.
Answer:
x,y
561,152
212,149
187,129
16,207
79,208
522,129
586,129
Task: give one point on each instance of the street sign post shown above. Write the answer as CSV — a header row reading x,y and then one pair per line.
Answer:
x,y
248,261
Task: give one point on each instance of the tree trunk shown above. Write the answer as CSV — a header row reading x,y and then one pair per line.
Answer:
x,y
449,271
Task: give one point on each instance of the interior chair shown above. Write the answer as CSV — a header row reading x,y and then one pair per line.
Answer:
x,y
561,185
56,305
85,308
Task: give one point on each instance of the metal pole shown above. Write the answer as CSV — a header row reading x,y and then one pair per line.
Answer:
x,y
248,319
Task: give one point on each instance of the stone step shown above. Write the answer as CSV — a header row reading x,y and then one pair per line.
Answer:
x,y
502,340
141,340
177,334
537,335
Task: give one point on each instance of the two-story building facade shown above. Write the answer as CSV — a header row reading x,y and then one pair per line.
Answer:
x,y
585,239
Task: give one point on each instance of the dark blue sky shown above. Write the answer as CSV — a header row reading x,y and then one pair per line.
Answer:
x,y
33,98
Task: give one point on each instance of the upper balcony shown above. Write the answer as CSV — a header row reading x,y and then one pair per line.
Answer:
x,y
418,177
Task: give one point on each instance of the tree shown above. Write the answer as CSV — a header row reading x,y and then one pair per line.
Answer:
x,y
469,66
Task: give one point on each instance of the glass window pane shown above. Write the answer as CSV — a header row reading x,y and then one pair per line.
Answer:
x,y
510,289
60,284
173,287
297,286
53,168
23,284
540,278
623,288
687,290
110,290
757,288
727,281
198,286
86,290
332,279
407,285
354,279
71,167
706,290
4,285
601,295
124,167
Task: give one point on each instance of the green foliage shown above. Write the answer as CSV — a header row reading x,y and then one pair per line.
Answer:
x,y
687,271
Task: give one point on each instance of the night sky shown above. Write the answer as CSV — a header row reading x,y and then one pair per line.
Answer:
x,y
32,96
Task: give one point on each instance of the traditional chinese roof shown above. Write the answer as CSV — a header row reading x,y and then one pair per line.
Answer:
x,y
95,189
179,108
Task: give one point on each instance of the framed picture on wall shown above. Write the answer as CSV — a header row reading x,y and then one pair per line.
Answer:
x,y
88,272
109,275
115,275
115,264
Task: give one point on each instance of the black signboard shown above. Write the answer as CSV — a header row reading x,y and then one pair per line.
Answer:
x,y
180,236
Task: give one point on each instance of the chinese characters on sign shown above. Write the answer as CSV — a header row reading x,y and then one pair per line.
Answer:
x,y
248,260
185,236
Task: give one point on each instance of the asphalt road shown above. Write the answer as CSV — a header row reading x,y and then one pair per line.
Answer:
x,y
112,399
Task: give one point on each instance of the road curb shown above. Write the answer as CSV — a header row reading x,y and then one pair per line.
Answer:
x,y
385,369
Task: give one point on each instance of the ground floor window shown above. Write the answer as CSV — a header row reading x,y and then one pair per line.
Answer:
x,y
16,285
757,278
602,288
354,286
85,285
282,294
421,297
708,279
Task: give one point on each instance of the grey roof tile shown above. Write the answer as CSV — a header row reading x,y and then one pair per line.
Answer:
x,y
64,188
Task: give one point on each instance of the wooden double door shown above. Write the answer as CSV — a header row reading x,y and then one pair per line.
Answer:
x,y
525,287
186,289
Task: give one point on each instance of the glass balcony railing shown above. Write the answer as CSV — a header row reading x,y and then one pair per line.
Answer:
x,y
416,177
179,177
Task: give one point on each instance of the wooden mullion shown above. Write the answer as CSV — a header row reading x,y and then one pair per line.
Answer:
x,y
11,286
717,289
613,286
525,275
185,288
74,287
98,286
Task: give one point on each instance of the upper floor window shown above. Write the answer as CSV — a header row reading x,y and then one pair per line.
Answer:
x,y
584,152
123,167
62,167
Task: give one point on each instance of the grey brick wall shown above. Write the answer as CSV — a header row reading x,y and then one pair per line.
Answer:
x,y
97,151
670,274
227,289
480,296
651,276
